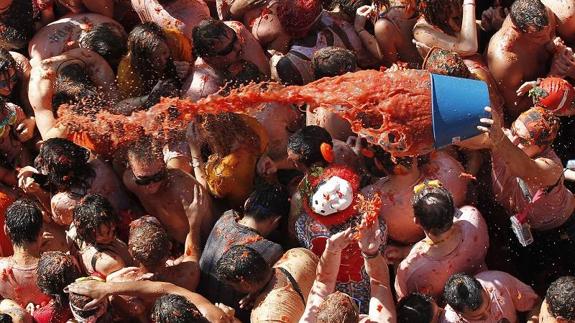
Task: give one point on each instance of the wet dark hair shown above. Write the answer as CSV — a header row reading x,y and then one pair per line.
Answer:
x,y
437,12
445,62
107,40
333,61
73,86
143,41
148,243
79,301
173,308
463,293
415,308
7,62
526,14
349,7
146,150
55,271
267,202
337,308
433,208
243,264
306,142
23,222
94,211
561,298
17,26
206,34
242,73
5,318
66,163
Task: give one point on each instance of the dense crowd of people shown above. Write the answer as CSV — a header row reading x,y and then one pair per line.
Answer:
x,y
282,212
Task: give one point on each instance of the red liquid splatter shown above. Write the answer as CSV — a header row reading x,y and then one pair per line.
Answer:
x,y
391,109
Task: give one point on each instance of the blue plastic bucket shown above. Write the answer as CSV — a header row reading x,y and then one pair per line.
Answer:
x,y
457,105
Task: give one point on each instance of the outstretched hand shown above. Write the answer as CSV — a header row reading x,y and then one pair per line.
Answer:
x,y
340,240
96,290
370,237
492,127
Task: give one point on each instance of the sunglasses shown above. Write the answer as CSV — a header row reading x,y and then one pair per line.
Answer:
x,y
230,48
147,180
10,120
6,82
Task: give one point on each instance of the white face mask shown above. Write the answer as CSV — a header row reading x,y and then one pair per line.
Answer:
x,y
335,195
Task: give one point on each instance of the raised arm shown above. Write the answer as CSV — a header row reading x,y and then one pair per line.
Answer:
x,y
381,305
369,41
326,275
145,289
539,172
464,43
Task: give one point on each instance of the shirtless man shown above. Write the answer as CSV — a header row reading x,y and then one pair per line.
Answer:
x,y
392,42
81,30
182,15
220,45
521,51
45,76
456,241
396,191
149,245
168,194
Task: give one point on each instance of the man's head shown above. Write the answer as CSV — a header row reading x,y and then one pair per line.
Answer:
x,y
106,39
267,205
560,299
337,308
466,296
447,15
304,147
148,243
297,17
529,16
244,269
95,220
148,48
444,62
145,159
417,308
333,61
535,130
8,73
173,308
64,162
56,270
433,208
217,43
77,303
24,223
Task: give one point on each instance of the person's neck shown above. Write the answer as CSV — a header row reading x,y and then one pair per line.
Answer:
x,y
26,255
444,243
251,223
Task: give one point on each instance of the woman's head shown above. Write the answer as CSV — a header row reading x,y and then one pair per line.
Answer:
x,y
95,220
445,14
8,73
224,130
56,270
466,296
297,17
64,162
148,49
172,308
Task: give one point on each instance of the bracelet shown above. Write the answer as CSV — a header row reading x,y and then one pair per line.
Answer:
x,y
368,256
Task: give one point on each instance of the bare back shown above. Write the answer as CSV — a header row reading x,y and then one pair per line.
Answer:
x,y
64,34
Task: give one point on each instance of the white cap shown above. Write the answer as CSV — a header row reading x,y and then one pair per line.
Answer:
x,y
335,195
